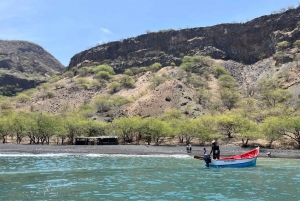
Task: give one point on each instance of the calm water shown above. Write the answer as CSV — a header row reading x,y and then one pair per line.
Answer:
x,y
100,177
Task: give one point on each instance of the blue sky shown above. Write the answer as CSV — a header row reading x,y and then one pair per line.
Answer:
x,y
66,27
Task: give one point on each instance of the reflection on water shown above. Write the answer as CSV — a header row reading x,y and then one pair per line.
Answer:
x,y
111,177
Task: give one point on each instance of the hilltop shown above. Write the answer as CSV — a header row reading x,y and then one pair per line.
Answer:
x,y
25,65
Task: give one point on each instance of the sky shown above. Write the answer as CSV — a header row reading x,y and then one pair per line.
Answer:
x,y
66,27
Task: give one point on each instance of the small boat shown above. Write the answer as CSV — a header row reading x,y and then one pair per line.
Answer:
x,y
245,159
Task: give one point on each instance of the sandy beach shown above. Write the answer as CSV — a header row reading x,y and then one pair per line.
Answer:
x,y
226,150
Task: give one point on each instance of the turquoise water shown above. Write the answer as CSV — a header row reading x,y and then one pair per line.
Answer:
x,y
103,177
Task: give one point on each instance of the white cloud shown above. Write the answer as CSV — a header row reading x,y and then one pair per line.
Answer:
x,y
107,31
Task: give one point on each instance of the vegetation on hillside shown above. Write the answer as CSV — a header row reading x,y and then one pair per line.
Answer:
x,y
230,111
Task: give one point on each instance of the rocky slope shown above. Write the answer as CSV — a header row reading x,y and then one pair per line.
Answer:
x,y
25,65
247,51
245,43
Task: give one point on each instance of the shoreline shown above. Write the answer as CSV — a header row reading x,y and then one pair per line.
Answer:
x,y
226,150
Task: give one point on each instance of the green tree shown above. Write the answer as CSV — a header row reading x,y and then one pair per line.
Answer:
x,y
226,124
271,94
127,128
19,125
73,127
46,125
247,129
273,129
227,81
205,128
93,128
157,129
292,125
229,98
204,96
189,130
5,127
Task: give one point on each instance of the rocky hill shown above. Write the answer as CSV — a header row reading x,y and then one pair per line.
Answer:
x,y
249,52
25,65
246,43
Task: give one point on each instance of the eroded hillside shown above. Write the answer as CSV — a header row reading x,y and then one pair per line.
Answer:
x,y
25,65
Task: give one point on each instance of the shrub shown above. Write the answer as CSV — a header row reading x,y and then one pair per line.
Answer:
x,y
69,74
22,98
187,59
30,92
157,80
6,105
96,84
84,71
143,69
55,79
82,81
59,85
218,71
104,75
102,104
134,70
128,72
45,86
187,66
127,81
297,44
105,68
114,87
105,103
120,100
283,45
227,81
48,94
155,67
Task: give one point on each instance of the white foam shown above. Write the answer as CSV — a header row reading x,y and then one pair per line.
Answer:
x,y
94,155
33,155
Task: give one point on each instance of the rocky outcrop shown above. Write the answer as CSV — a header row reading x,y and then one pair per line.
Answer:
x,y
25,65
242,42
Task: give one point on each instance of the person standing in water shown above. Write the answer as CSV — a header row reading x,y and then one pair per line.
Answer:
x,y
215,150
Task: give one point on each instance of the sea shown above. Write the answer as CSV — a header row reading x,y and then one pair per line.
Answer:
x,y
143,177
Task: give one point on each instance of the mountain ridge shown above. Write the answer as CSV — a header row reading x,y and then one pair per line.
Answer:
x,y
246,43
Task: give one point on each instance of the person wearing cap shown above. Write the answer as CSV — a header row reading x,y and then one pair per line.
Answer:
x,y
215,150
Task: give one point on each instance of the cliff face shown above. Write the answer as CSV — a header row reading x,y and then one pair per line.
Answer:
x,y
242,42
24,64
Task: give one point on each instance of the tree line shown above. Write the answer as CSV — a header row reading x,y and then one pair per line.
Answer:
x,y
40,127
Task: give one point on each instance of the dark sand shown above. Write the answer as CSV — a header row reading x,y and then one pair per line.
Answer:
x,y
226,150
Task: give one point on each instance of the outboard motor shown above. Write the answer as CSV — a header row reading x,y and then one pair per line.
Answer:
x,y
207,159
